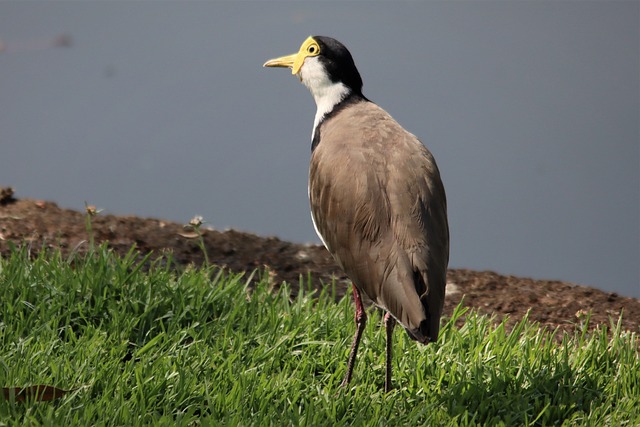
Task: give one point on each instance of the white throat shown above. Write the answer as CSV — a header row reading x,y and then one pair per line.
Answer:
x,y
325,92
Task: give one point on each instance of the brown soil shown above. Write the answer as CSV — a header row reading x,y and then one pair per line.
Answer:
x,y
551,303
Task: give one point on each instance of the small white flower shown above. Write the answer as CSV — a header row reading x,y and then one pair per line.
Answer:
x,y
196,221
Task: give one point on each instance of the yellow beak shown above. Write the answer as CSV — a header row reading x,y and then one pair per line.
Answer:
x,y
289,61
309,48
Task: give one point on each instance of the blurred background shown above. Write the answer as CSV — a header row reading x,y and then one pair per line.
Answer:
x,y
163,109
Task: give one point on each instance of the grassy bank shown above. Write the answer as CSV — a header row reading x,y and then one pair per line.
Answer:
x,y
144,346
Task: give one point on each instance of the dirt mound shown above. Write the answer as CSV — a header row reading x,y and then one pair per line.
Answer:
x,y
552,303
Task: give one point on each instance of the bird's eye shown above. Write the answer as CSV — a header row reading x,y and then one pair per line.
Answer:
x,y
313,49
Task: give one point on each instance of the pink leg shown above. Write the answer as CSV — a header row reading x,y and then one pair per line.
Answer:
x,y
389,324
361,321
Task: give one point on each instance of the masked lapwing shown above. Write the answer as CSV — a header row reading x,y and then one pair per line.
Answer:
x,y
377,200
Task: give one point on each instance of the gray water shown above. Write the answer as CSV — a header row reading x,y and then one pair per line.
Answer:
x,y
163,109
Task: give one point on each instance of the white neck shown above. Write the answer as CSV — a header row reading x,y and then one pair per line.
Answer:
x,y
326,99
326,93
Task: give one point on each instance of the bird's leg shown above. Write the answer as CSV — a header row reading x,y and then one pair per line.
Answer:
x,y
361,321
389,324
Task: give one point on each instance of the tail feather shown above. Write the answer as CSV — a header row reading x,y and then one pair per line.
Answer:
x,y
432,300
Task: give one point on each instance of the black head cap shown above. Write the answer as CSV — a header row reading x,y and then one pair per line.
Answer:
x,y
339,64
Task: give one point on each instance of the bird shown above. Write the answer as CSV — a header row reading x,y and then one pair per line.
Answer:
x,y
377,200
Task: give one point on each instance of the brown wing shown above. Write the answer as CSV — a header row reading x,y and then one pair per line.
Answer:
x,y
379,205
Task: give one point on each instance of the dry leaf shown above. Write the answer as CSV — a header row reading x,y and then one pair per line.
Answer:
x,y
40,393
189,235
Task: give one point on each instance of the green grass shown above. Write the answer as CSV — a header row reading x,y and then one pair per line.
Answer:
x,y
152,346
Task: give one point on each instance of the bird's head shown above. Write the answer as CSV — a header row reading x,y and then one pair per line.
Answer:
x,y
322,64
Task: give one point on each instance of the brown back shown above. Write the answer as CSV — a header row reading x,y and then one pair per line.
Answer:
x,y
379,204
